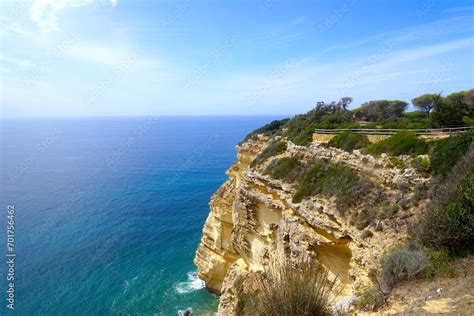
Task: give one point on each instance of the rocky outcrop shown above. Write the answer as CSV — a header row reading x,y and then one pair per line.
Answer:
x,y
373,138
252,217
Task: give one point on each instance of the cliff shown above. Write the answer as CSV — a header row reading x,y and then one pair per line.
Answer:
x,y
253,216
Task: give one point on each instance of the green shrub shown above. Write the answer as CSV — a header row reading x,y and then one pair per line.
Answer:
x,y
271,128
449,222
440,264
402,264
444,153
450,227
419,194
388,211
422,164
273,149
398,163
348,141
330,179
284,289
402,143
286,168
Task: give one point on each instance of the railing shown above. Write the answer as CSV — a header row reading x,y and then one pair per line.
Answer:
x,y
391,131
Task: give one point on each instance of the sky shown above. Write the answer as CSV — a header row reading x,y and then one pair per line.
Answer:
x,y
261,57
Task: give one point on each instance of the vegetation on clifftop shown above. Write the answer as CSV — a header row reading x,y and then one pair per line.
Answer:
x,y
275,148
448,224
348,141
445,230
402,143
433,111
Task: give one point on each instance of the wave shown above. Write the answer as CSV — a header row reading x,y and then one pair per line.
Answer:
x,y
193,283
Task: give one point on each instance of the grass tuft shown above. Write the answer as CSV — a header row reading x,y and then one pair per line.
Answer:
x,y
348,142
285,289
273,149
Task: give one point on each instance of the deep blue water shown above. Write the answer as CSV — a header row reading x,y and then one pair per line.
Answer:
x,y
109,211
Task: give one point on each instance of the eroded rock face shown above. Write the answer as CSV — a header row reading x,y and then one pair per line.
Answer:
x,y
252,216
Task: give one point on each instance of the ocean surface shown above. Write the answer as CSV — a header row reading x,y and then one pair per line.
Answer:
x,y
109,211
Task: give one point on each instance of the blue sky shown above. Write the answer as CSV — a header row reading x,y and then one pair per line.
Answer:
x,y
183,57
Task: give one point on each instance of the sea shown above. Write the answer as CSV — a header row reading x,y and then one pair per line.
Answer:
x,y
102,216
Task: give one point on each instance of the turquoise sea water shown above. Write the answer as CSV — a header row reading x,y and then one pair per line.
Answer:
x,y
109,211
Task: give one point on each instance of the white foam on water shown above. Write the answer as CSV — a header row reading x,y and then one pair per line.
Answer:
x,y
193,283
125,287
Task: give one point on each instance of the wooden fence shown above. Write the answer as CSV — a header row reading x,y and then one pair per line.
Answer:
x,y
391,131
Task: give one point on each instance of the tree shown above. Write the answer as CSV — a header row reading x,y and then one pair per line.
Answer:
x,y
396,108
344,102
382,109
447,112
464,100
424,102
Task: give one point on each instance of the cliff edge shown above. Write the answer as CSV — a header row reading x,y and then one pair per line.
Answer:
x,y
254,215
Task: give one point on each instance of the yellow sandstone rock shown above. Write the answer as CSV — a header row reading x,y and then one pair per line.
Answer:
x,y
252,217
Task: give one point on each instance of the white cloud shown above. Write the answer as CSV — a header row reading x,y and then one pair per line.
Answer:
x,y
97,54
45,12
409,55
23,63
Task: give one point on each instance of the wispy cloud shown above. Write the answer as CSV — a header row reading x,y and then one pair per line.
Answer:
x,y
18,62
408,55
45,12
97,54
420,32
459,9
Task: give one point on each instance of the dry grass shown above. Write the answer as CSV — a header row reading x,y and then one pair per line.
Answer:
x,y
285,290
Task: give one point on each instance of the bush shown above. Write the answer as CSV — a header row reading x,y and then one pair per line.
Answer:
x,y
300,128
440,264
348,141
388,211
398,163
450,228
287,290
402,143
422,164
449,222
402,264
286,168
330,179
370,300
444,153
273,149
269,129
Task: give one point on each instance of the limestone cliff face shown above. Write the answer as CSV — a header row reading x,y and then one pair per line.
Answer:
x,y
252,217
